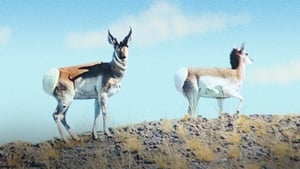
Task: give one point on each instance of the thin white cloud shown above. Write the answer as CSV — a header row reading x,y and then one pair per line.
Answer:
x,y
5,34
280,74
86,40
160,22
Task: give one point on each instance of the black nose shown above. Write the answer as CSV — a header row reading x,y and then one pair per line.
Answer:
x,y
122,57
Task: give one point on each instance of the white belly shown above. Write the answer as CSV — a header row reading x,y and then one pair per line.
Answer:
x,y
87,88
216,87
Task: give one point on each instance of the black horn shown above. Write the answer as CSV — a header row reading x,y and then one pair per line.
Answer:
x,y
243,46
111,39
128,37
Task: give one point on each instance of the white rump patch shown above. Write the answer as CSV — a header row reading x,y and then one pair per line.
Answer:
x,y
50,80
180,77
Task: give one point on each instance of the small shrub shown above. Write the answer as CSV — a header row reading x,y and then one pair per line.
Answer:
x,y
133,144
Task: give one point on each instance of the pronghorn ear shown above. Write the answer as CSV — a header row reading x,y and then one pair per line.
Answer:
x,y
128,37
243,46
112,40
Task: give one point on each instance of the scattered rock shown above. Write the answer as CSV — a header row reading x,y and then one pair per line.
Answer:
x,y
172,143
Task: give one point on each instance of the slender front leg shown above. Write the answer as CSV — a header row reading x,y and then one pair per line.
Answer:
x,y
96,119
237,95
104,108
70,131
239,106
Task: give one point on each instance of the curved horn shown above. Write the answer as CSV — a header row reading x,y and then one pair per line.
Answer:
x,y
128,37
243,46
111,39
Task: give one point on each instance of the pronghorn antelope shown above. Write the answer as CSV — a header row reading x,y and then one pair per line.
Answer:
x,y
219,83
98,81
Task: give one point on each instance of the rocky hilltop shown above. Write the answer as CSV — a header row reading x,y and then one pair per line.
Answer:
x,y
251,142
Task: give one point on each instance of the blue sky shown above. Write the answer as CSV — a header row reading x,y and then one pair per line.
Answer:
x,y
38,35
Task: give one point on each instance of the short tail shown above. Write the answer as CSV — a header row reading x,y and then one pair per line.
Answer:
x,y
180,77
50,81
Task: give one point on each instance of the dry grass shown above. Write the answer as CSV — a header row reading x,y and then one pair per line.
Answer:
x,y
234,152
48,152
14,159
186,117
254,166
130,141
235,139
244,123
99,162
181,131
273,144
202,150
281,150
169,158
133,144
166,125
260,126
125,161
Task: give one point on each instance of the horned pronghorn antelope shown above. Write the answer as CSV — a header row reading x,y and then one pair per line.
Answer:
x,y
98,81
218,83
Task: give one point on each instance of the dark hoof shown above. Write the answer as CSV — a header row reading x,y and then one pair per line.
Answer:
x,y
229,127
95,137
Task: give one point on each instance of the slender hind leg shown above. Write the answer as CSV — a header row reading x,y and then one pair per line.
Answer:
x,y
71,132
220,105
59,117
221,113
190,91
193,99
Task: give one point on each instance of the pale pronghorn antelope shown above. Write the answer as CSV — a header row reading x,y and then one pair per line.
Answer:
x,y
98,81
219,83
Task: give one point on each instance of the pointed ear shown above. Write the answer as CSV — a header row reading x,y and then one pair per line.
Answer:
x,y
243,46
112,40
128,37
